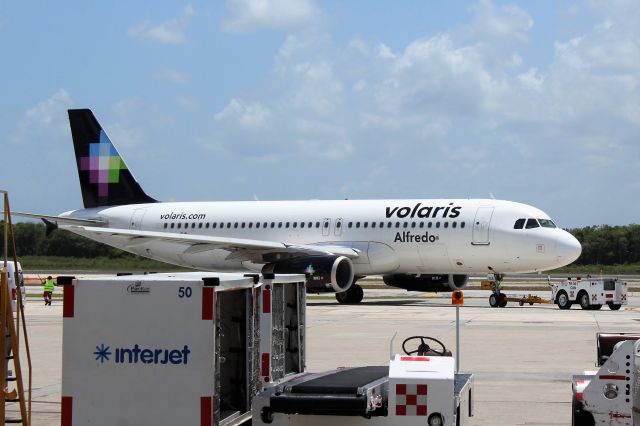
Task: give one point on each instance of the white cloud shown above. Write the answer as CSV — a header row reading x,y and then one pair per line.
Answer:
x,y
248,115
171,75
505,22
248,16
168,32
47,119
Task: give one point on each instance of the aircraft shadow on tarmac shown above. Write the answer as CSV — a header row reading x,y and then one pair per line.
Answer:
x,y
413,302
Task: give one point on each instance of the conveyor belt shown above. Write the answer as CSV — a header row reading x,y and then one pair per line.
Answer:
x,y
343,392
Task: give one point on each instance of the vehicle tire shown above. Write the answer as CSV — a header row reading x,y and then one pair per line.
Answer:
x,y
342,297
563,301
595,307
521,303
503,300
493,300
580,417
614,306
583,299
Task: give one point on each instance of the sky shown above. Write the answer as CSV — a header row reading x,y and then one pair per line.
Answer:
x,y
530,101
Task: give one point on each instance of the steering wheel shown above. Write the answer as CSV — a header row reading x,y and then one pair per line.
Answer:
x,y
423,348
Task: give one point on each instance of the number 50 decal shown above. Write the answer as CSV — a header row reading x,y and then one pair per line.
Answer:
x,y
184,292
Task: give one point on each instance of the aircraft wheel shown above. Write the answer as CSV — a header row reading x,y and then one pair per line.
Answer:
x,y
563,301
493,300
503,300
614,306
583,298
353,295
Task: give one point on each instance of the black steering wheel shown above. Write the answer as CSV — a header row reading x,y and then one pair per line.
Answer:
x,y
423,348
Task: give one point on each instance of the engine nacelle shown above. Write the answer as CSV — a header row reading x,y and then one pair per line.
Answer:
x,y
427,283
328,273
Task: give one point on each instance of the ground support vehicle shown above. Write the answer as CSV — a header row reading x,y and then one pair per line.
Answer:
x,y
591,293
419,387
187,348
604,397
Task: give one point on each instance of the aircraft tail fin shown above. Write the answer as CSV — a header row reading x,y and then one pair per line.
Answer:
x,y
105,179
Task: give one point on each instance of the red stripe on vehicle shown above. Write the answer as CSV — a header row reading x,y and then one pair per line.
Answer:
x,y
414,358
579,396
264,369
68,301
66,410
206,410
266,300
207,303
611,377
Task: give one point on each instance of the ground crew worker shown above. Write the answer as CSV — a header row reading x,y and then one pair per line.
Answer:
x,y
48,290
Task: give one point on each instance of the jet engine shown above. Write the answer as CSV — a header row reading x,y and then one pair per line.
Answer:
x,y
327,273
427,283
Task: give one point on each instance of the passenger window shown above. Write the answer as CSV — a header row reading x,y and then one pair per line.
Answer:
x,y
286,225
273,224
264,225
388,224
310,224
228,225
421,224
207,225
250,225
357,224
373,224
454,224
257,225
446,224
200,225
350,224
301,224
326,224
366,224
186,225
397,224
172,225
437,224
295,224
317,224
429,225
279,224
461,224
381,224
519,224
405,225
531,223
413,224
243,225
165,225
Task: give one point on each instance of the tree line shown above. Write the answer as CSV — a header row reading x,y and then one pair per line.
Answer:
x,y
601,245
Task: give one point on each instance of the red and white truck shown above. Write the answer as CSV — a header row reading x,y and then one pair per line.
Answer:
x,y
590,293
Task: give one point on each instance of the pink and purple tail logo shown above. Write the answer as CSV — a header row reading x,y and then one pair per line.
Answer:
x,y
103,164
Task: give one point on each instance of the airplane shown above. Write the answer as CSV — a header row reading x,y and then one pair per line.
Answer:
x,y
421,244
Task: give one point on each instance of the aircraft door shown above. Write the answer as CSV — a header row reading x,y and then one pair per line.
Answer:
x,y
481,226
326,227
136,218
337,229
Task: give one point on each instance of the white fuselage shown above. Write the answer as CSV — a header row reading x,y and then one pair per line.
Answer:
x,y
455,236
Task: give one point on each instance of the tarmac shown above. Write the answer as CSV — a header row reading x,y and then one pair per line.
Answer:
x,y
522,358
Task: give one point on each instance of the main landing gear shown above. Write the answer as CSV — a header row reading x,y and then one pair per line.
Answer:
x,y
352,296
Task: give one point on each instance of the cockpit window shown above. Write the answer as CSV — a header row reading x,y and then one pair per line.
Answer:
x,y
547,223
531,223
519,224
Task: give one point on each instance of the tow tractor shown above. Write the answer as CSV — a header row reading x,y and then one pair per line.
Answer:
x,y
591,293
606,396
419,387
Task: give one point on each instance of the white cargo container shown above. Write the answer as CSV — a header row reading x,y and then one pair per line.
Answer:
x,y
163,348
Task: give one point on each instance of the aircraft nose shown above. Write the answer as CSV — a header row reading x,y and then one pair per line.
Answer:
x,y
568,248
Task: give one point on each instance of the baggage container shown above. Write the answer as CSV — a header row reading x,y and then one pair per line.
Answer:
x,y
164,348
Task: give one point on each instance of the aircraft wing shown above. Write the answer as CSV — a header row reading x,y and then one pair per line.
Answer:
x,y
240,248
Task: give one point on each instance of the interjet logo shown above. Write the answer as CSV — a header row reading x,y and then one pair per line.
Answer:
x,y
141,355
